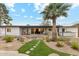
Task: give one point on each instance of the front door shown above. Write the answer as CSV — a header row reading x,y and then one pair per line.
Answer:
x,y
37,31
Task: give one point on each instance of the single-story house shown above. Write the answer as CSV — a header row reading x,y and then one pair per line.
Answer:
x,y
70,31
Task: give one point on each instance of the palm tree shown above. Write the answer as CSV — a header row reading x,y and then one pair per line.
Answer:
x,y
4,17
46,23
53,11
7,20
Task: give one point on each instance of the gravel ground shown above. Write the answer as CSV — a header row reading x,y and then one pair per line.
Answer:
x,y
66,48
11,46
11,53
10,49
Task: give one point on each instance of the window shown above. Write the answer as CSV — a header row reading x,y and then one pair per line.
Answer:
x,y
8,29
50,29
63,30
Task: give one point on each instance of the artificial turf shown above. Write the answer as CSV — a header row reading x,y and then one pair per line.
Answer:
x,y
41,50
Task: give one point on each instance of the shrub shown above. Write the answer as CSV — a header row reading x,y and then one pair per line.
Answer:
x,y
66,40
60,43
46,38
8,38
75,45
60,39
21,38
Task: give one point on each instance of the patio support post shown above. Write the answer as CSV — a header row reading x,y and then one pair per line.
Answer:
x,y
34,30
5,31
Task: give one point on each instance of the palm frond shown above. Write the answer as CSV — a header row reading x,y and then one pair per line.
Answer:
x,y
4,14
56,9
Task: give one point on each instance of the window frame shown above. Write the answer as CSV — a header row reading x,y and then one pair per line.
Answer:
x,y
8,29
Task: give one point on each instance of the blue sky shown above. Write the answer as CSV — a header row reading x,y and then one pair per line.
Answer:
x,y
29,13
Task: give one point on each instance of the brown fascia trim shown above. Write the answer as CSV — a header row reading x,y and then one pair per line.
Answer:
x,y
29,26
69,27
32,26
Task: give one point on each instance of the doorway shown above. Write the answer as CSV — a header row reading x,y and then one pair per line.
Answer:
x,y
37,31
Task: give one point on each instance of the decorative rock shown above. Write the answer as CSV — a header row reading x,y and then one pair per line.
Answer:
x,y
32,49
53,54
37,43
34,46
27,52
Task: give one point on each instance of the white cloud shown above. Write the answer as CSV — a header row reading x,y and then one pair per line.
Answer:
x,y
17,15
61,18
12,9
36,24
31,17
75,5
28,16
25,16
10,5
23,10
39,18
39,7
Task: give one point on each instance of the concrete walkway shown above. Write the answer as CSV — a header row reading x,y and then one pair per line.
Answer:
x,y
11,53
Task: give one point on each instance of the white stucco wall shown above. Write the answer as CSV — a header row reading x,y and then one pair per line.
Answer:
x,y
70,31
14,31
73,30
2,31
60,29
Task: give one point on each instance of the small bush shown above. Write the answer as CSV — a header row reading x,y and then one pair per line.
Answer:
x,y
60,39
67,41
64,39
8,38
21,38
46,38
60,43
75,45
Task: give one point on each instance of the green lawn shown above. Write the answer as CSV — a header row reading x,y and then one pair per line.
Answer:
x,y
41,50
27,46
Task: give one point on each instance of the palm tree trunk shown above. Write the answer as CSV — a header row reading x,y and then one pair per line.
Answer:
x,y
0,21
5,31
54,30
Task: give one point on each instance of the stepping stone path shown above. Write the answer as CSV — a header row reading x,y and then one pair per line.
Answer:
x,y
27,52
53,54
31,49
34,46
